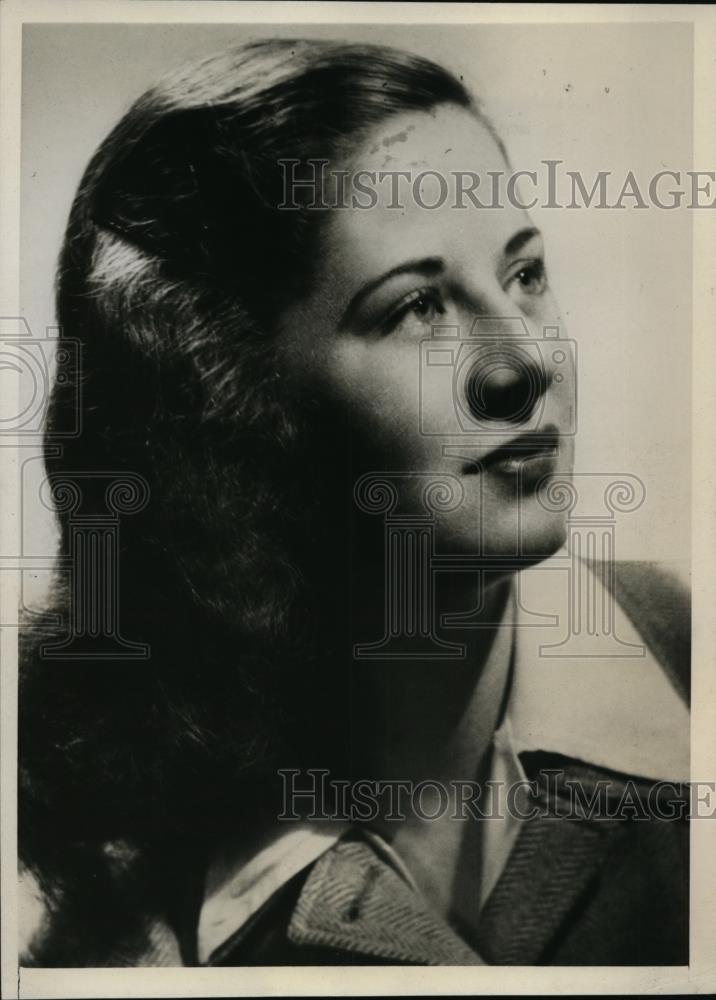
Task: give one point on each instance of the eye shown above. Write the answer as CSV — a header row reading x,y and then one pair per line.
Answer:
x,y
530,278
424,305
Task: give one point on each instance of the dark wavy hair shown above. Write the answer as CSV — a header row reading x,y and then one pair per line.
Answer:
x,y
175,266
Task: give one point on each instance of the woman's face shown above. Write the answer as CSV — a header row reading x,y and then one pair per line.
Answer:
x,y
488,401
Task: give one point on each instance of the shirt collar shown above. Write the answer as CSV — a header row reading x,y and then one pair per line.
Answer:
x,y
243,877
617,712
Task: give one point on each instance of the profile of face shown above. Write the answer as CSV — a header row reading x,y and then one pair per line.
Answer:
x,y
411,330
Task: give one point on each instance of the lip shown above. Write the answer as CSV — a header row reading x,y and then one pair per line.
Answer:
x,y
513,456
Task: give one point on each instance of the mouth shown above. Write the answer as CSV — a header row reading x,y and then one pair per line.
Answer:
x,y
533,452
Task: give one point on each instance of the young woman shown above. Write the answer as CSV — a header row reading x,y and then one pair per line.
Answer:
x,y
255,298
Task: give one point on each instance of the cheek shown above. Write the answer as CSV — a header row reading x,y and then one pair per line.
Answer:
x,y
376,387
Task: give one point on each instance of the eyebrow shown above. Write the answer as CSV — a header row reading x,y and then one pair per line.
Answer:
x,y
427,266
516,242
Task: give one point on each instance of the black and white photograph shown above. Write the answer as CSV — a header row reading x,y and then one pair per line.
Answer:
x,y
358,425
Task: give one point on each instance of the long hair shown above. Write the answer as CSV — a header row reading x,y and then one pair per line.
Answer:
x,y
176,262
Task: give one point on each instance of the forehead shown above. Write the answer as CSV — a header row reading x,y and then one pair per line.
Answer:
x,y
410,162
445,138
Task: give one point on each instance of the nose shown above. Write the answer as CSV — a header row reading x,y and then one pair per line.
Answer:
x,y
505,384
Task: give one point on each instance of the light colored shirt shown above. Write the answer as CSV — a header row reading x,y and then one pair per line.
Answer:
x,y
616,711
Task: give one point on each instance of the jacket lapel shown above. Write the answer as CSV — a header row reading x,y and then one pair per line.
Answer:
x,y
553,867
354,901
550,869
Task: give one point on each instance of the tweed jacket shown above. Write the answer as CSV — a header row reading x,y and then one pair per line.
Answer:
x,y
607,888
591,889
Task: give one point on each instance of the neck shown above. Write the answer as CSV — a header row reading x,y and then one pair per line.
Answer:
x,y
431,718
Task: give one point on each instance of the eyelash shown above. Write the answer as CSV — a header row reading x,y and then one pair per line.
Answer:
x,y
536,271
533,270
403,311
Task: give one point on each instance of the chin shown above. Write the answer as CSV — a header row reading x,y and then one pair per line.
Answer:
x,y
541,541
523,536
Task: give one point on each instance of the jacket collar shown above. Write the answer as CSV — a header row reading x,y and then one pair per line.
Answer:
x,y
241,879
354,900
589,711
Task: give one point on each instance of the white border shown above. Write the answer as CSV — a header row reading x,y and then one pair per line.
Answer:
x,y
700,976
